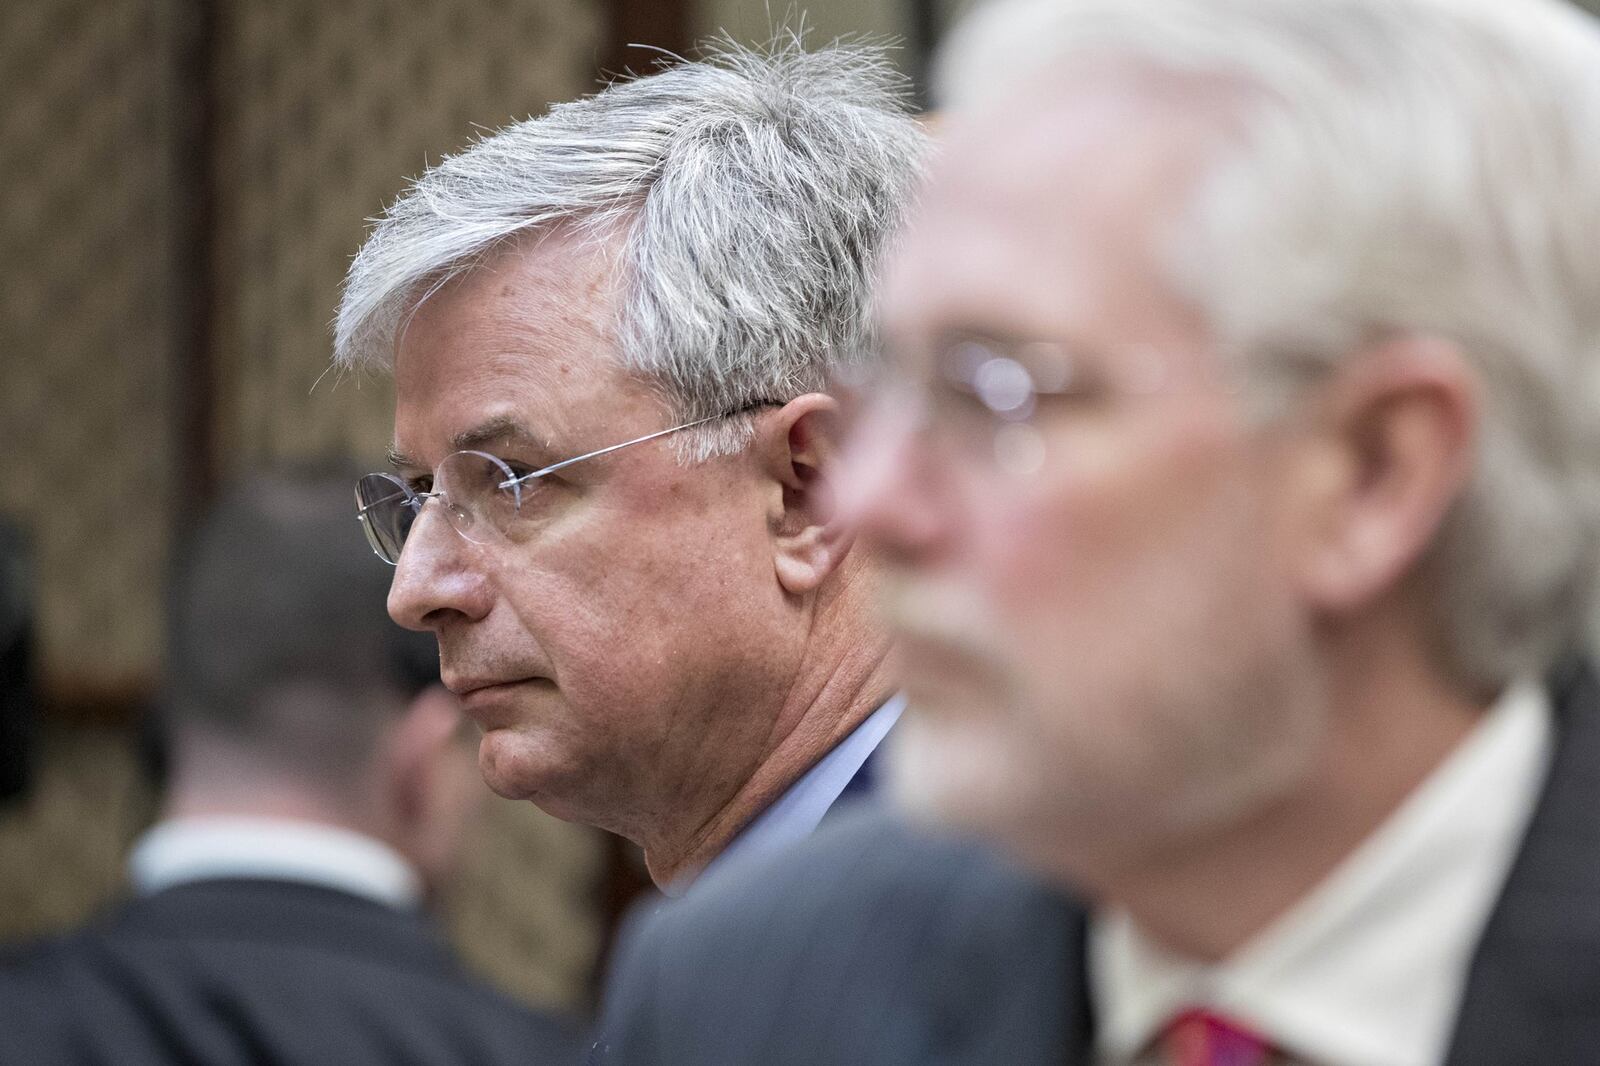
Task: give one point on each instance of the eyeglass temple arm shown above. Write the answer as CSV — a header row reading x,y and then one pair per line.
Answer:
x,y
405,490
553,467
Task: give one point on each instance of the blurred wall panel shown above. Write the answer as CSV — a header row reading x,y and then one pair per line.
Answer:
x,y
322,111
912,28
92,230
753,21
525,912
62,849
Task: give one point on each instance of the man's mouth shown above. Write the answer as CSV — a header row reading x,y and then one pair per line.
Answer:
x,y
484,699
466,686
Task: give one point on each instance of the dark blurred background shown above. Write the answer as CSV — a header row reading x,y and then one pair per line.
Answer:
x,y
182,183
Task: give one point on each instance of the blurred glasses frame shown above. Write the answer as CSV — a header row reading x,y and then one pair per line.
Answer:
x,y
487,492
981,395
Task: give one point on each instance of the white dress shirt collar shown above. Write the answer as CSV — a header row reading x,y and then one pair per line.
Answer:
x,y
1369,969
184,850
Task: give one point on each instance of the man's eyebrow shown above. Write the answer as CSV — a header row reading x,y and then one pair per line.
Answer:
x,y
499,430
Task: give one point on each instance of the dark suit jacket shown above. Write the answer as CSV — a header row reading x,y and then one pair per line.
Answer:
x,y
872,944
252,973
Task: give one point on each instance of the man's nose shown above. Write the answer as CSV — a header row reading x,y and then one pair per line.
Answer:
x,y
436,579
887,485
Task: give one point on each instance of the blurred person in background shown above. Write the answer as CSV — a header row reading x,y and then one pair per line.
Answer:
x,y
1238,483
320,793
610,329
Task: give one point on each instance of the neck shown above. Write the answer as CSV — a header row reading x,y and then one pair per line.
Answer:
x,y
828,700
1393,720
213,778
276,803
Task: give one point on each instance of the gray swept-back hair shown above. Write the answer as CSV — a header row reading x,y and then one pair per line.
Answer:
x,y
753,191
1424,166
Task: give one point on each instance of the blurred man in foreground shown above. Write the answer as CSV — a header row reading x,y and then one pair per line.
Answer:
x,y
320,793
1240,479
609,329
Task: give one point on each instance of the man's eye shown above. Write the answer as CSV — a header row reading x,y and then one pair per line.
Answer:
x,y
422,484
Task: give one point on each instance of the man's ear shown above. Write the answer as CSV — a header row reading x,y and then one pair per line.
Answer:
x,y
798,447
1392,449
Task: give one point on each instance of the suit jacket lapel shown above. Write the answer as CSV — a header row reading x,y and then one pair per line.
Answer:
x,y
1533,991
1078,1014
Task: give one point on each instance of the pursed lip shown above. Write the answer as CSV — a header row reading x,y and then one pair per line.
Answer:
x,y
466,686
481,699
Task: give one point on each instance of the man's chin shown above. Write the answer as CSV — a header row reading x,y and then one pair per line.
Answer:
x,y
509,765
518,767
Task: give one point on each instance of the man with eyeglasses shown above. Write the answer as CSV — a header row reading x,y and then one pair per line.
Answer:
x,y
1236,479
610,330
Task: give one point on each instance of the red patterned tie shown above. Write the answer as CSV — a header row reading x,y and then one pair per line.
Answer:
x,y
1201,1038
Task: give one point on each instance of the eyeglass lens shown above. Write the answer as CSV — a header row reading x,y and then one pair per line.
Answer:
x,y
386,508
479,493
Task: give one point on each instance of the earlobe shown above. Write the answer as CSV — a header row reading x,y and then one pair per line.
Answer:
x,y
804,561
802,445
1396,452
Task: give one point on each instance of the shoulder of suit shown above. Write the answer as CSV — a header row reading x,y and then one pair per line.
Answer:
x,y
923,938
87,978
858,869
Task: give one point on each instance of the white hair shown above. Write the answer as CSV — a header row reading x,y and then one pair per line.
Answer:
x,y
753,192
1426,166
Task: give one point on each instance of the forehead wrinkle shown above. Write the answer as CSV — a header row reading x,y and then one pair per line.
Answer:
x,y
552,296
526,321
